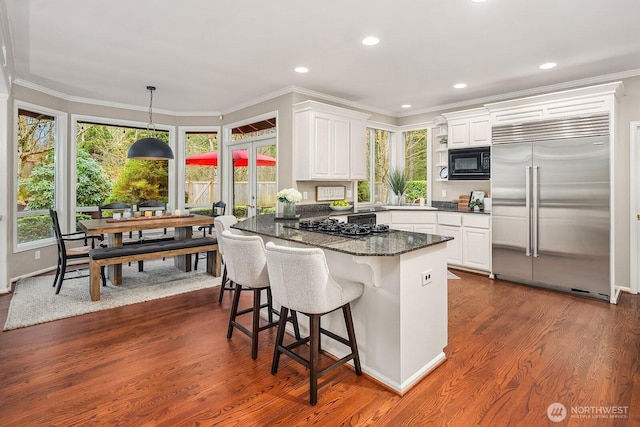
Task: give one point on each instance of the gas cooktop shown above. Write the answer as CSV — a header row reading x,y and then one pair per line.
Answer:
x,y
334,227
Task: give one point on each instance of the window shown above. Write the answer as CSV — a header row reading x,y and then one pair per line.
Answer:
x,y
104,174
252,187
202,184
415,164
37,136
375,189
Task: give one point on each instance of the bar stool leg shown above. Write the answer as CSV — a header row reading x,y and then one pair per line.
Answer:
x,y
256,323
284,311
223,284
351,334
314,346
234,310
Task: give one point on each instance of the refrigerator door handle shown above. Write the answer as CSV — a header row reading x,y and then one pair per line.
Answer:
x,y
527,199
534,229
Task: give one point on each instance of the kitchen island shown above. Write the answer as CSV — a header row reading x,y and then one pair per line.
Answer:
x,y
401,319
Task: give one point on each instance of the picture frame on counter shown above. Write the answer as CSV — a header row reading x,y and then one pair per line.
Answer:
x,y
476,195
330,193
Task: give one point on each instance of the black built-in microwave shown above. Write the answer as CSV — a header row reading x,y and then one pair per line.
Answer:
x,y
470,163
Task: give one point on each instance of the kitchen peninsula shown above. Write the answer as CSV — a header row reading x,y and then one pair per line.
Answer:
x,y
401,319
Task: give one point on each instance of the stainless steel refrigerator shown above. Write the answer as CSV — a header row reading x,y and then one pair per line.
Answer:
x,y
551,204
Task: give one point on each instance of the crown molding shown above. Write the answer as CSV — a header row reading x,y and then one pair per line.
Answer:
x,y
303,91
91,101
528,92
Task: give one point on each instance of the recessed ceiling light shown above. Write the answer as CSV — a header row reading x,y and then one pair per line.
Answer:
x,y
301,70
478,1
370,41
547,65
460,85
405,106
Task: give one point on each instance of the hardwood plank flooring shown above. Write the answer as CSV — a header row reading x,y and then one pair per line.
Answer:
x,y
513,351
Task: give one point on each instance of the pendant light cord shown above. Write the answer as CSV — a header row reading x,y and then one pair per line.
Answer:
x,y
151,126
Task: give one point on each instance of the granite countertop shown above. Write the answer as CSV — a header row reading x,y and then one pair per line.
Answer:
x,y
384,244
384,208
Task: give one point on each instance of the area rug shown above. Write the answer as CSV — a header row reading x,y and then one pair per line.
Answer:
x,y
451,276
34,300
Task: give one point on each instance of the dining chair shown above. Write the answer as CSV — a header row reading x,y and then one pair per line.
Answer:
x,y
247,269
300,280
219,208
66,254
152,205
117,207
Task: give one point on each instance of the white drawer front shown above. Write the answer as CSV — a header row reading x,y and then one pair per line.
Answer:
x,y
450,219
476,220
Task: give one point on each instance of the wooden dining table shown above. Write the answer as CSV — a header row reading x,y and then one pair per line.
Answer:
x,y
114,229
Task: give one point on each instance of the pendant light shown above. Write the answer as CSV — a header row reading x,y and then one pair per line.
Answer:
x,y
150,148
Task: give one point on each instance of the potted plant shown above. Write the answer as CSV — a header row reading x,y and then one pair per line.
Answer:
x,y
397,180
476,205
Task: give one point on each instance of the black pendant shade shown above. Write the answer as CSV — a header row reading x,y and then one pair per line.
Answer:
x,y
150,148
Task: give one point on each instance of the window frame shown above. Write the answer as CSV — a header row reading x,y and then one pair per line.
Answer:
x,y
396,157
60,165
181,167
430,127
73,176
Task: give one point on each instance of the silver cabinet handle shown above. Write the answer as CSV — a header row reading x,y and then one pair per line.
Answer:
x,y
527,199
536,196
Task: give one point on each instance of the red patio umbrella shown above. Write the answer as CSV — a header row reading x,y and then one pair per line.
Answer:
x,y
240,158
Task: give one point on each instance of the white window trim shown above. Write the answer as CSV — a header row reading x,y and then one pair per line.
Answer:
x,y
224,172
60,164
75,118
181,167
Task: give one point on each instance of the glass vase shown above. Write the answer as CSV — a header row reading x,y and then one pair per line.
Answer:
x,y
288,210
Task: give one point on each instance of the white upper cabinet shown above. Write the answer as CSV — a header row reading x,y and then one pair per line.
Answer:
x,y
469,128
573,102
328,142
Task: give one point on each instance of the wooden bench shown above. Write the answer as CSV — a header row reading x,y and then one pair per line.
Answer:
x,y
101,257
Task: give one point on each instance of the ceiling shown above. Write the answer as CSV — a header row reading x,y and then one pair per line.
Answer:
x,y
216,56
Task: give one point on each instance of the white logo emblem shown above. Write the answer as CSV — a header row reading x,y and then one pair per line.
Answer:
x,y
556,412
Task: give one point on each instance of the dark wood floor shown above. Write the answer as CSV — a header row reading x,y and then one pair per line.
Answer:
x,y
512,352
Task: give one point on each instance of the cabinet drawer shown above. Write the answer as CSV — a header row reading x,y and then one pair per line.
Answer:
x,y
398,217
450,219
476,220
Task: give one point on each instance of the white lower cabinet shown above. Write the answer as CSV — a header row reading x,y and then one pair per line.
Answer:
x,y
419,222
454,247
472,233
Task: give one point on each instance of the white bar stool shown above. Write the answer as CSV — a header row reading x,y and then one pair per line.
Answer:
x,y
301,281
247,270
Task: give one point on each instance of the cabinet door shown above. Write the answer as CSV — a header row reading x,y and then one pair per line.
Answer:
x,y
476,245
458,133
454,247
358,150
321,146
425,228
340,148
480,131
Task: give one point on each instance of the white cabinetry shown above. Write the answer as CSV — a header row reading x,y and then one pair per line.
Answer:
x,y
328,142
450,224
419,222
471,247
590,100
469,128
476,241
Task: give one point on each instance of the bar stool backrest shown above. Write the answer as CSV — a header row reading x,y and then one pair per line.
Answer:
x,y
222,223
300,280
245,260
